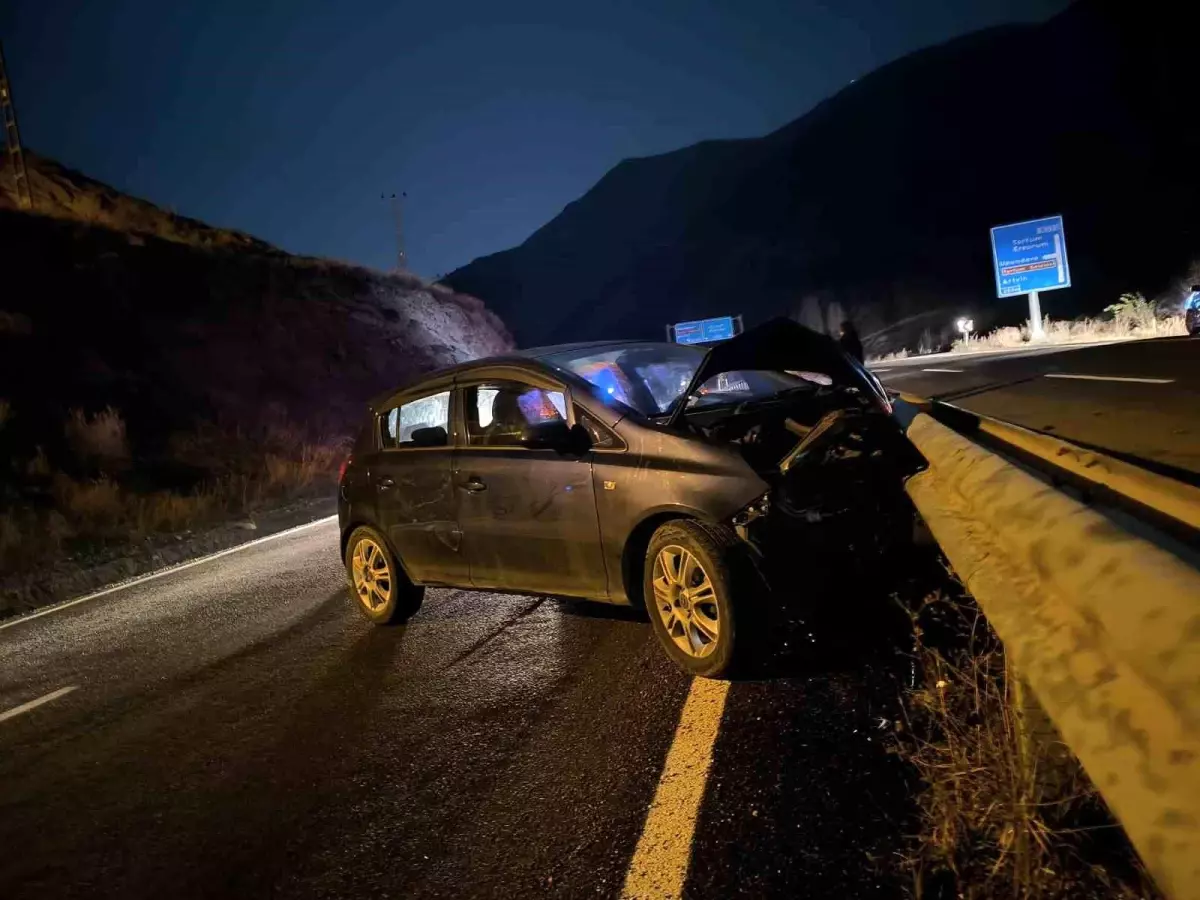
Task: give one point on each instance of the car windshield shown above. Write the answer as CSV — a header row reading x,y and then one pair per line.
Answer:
x,y
755,384
650,378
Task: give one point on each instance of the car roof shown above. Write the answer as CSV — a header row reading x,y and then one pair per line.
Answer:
x,y
553,349
524,357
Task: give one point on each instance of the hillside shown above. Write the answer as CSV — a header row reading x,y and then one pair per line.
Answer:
x,y
878,202
156,373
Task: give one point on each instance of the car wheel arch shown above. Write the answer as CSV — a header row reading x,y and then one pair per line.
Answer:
x,y
633,554
367,523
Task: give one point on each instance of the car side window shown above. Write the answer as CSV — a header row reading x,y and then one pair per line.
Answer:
x,y
414,422
601,437
498,412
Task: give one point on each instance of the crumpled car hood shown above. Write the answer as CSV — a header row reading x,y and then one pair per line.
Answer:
x,y
783,345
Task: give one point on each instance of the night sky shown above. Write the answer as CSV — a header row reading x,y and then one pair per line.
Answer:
x,y
289,119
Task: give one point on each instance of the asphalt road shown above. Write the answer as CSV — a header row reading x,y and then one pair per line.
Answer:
x,y
236,729
1139,399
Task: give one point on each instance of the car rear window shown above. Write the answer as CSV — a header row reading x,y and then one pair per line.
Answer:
x,y
398,424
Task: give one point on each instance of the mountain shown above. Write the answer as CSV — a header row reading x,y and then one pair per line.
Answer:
x,y
877,203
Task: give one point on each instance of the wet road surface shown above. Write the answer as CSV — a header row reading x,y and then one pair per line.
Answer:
x,y
1138,399
237,729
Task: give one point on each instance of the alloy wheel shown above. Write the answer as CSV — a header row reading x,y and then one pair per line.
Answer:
x,y
686,601
372,575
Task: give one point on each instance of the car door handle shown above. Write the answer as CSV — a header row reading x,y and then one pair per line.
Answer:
x,y
473,484
385,483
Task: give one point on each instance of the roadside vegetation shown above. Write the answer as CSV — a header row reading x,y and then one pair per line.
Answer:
x,y
159,376
999,816
92,495
1131,317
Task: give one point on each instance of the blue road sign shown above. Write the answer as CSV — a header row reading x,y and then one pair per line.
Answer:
x,y
705,331
1030,256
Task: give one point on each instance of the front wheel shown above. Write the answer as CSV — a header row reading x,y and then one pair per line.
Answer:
x,y
377,584
689,583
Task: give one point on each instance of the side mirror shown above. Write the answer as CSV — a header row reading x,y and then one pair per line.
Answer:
x,y
434,436
552,435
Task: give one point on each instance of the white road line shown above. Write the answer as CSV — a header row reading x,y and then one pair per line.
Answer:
x,y
34,704
659,866
953,371
169,570
1112,378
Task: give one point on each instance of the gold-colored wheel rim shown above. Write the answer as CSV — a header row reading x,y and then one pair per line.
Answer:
x,y
686,601
371,574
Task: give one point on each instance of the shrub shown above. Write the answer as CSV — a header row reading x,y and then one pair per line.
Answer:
x,y
98,440
10,535
164,511
1001,338
316,462
1133,312
1132,317
39,465
96,506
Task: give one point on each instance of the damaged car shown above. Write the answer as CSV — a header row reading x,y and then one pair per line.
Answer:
x,y
703,485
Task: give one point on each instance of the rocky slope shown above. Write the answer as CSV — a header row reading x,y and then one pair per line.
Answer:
x,y
158,375
109,300
877,203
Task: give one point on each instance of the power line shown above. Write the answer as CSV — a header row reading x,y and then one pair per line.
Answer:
x,y
12,138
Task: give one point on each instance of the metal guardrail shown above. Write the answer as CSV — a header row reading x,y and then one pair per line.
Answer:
x,y
1167,497
1103,625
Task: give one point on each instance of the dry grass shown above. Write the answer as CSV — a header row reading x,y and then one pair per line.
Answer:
x,y
102,505
163,511
38,467
994,823
98,440
63,193
1132,318
902,353
93,507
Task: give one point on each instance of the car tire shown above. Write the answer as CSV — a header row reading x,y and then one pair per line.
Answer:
x,y
683,615
375,581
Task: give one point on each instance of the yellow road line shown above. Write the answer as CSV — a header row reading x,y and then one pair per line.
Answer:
x,y
660,862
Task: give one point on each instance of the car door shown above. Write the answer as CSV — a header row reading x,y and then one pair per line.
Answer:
x,y
528,516
414,492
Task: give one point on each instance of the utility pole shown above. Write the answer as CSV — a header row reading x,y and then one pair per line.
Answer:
x,y
398,216
12,139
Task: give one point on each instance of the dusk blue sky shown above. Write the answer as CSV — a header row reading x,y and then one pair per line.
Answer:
x,y
289,119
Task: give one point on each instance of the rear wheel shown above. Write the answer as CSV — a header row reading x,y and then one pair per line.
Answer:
x,y
691,574
377,584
